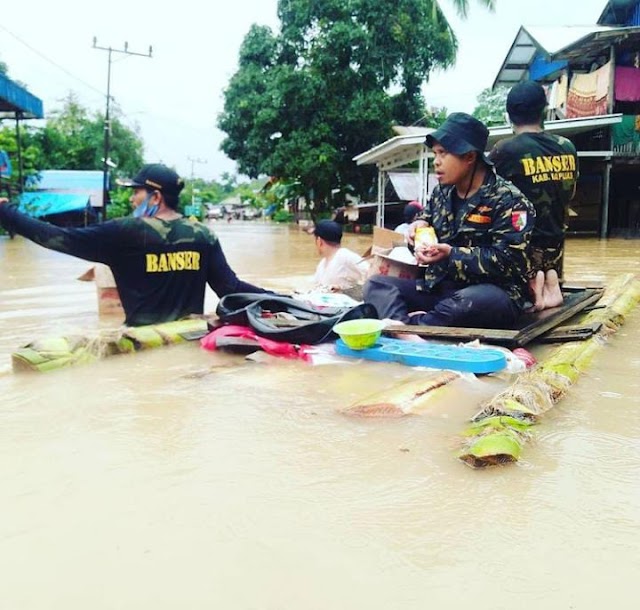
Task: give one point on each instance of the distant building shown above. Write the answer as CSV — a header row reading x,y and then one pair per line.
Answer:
x,y
64,197
592,78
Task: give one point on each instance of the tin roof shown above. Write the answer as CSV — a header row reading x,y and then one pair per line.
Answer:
x,y
16,101
402,150
580,45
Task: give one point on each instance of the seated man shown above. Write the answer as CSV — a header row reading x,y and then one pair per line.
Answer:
x,y
476,275
524,159
339,268
160,260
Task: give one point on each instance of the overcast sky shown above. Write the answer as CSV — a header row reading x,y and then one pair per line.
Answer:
x,y
176,95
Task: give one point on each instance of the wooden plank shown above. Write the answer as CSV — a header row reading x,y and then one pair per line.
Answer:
x,y
570,333
530,326
550,318
491,335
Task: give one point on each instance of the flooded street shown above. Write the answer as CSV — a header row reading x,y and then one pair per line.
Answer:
x,y
180,478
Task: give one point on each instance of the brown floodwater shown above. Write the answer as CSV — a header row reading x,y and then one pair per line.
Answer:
x,y
180,478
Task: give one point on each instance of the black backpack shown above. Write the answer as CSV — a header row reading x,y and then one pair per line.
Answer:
x,y
304,323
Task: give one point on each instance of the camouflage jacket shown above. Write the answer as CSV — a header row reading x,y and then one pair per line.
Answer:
x,y
489,241
161,267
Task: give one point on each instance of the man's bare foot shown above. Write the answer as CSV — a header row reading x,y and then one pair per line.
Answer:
x,y
552,292
536,288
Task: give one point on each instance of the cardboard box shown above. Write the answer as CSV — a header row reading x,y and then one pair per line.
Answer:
x,y
108,297
383,255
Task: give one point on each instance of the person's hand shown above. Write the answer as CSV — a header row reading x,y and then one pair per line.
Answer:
x,y
411,231
3,200
433,254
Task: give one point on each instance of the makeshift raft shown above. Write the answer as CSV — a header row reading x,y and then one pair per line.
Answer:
x,y
504,424
52,353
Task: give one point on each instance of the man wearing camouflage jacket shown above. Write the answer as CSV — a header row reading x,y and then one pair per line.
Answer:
x,y
160,260
476,275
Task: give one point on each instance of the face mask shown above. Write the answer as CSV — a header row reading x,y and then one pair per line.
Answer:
x,y
145,209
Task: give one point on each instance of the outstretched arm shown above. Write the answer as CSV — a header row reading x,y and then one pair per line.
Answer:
x,y
88,243
222,278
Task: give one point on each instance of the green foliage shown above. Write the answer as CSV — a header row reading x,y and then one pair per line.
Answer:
x,y
283,216
72,138
491,106
462,6
304,102
119,204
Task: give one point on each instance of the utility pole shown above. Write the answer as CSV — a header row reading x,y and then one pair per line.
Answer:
x,y
193,179
107,119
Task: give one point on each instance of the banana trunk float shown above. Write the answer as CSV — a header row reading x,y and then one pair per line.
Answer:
x,y
51,353
405,398
502,426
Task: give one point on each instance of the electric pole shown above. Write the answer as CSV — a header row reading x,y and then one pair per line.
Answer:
x,y
107,119
193,181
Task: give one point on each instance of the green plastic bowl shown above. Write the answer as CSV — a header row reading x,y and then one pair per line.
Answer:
x,y
359,334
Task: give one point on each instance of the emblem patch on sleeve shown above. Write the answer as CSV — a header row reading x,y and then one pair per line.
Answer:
x,y
519,220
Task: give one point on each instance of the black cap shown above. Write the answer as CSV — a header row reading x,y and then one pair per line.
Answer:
x,y
461,133
329,231
525,103
411,210
158,177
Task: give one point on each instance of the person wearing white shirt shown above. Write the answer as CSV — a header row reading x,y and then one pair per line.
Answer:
x,y
339,268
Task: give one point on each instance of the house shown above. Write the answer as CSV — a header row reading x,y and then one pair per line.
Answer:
x,y
592,78
64,197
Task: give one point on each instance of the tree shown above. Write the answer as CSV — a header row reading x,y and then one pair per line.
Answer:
x,y
462,6
491,106
328,87
73,139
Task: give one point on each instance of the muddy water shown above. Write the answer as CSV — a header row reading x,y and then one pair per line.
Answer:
x,y
185,479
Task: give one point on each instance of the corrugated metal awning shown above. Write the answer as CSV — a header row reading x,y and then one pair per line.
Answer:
x,y
16,101
396,151
565,127
47,204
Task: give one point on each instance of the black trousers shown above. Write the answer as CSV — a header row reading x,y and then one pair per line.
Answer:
x,y
448,304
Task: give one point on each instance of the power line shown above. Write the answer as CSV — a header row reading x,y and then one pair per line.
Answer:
x,y
49,60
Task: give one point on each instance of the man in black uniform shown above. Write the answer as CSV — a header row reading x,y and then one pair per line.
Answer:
x,y
544,167
476,275
160,260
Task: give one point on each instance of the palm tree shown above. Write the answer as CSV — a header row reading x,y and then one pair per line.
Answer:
x,y
462,6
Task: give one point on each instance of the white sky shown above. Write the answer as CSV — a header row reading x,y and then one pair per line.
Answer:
x,y
176,95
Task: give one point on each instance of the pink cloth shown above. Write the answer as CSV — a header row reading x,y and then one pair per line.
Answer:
x,y
627,85
587,95
275,348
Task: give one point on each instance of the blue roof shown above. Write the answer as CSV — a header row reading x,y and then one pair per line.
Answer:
x,y
68,181
17,101
45,204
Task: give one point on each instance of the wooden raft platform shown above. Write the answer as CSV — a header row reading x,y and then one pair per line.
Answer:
x,y
543,326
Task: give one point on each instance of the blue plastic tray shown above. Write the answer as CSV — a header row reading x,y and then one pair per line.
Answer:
x,y
434,355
